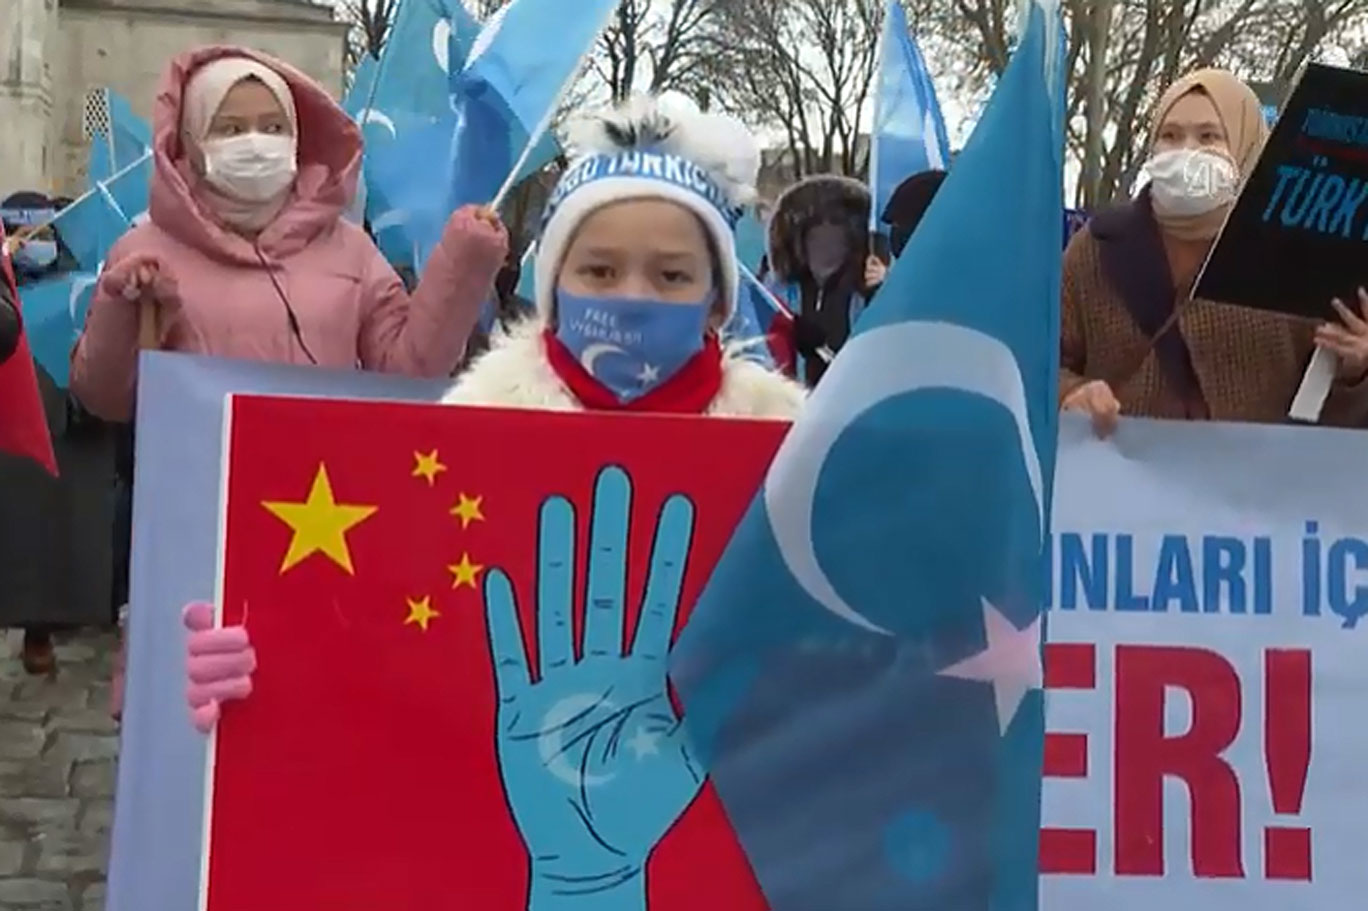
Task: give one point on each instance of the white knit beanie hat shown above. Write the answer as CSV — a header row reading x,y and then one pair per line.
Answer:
x,y
647,149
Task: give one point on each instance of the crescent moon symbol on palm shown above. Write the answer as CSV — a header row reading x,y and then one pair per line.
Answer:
x,y
551,741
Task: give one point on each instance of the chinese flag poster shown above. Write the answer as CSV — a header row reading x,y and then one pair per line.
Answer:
x,y
461,619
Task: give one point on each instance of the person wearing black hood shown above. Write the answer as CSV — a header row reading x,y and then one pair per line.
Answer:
x,y
821,266
908,205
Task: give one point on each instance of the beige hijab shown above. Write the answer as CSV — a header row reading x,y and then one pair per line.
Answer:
x,y
204,94
1245,128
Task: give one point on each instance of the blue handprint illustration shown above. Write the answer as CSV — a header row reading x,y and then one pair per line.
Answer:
x,y
594,762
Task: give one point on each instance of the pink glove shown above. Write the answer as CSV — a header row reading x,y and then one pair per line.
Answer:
x,y
220,664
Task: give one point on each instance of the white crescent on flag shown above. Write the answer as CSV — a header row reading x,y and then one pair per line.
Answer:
x,y
441,44
892,360
372,115
486,36
931,139
78,286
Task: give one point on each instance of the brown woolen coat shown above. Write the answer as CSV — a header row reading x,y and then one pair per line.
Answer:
x,y
1219,361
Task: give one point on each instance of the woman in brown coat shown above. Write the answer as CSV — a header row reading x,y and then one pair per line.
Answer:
x,y
1133,343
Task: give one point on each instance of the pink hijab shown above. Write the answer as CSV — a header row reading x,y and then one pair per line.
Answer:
x,y
204,94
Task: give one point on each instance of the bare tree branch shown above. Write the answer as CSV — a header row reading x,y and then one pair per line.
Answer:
x,y
1148,44
371,22
803,68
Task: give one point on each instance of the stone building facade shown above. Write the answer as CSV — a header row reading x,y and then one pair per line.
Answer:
x,y
53,53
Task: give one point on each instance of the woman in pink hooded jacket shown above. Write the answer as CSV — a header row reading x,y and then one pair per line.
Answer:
x,y
246,254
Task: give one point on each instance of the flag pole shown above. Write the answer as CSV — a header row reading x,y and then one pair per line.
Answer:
x,y
149,338
545,124
880,50
769,298
101,186
825,352
109,127
380,66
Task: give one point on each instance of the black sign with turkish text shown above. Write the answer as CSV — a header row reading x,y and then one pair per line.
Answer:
x,y
1298,235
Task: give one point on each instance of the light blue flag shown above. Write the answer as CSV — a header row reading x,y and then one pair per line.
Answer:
x,y
757,314
909,132
362,86
101,215
861,675
751,240
119,181
403,103
412,74
54,312
513,82
119,143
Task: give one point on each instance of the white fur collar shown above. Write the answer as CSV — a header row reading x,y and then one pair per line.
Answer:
x,y
515,373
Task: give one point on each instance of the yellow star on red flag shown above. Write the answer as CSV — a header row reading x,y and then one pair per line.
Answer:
x,y
427,466
320,524
465,572
468,509
421,612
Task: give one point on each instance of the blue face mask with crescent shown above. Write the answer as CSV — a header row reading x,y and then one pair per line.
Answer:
x,y
35,256
630,345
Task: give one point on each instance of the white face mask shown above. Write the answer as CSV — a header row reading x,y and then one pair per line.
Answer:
x,y
1190,182
253,167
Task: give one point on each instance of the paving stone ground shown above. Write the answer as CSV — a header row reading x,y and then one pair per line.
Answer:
x,y
58,749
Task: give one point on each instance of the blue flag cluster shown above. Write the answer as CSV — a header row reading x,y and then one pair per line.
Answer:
x,y
450,107
401,102
119,175
508,90
861,675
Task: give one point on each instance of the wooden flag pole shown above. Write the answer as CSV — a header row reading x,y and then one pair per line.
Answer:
x,y
149,338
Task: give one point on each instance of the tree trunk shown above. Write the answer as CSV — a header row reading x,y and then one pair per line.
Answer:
x,y
1095,80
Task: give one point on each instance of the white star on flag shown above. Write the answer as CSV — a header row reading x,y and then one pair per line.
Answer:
x,y
1011,663
648,374
644,743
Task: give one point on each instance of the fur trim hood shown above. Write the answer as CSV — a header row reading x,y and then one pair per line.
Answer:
x,y
825,198
515,373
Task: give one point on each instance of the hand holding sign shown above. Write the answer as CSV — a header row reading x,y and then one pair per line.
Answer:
x,y
588,748
1095,399
1348,342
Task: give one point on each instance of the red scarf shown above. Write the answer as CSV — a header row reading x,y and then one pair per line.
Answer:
x,y
690,390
